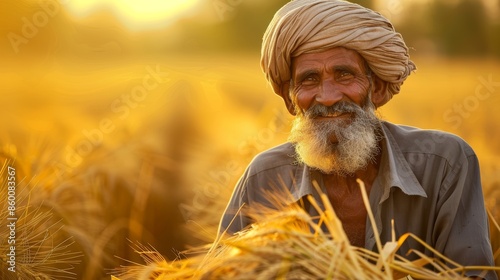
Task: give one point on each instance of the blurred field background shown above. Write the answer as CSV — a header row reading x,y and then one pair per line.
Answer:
x,y
132,120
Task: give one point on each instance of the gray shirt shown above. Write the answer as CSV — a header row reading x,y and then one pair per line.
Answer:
x,y
428,182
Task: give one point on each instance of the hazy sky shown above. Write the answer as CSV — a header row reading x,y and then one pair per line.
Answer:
x,y
392,8
135,14
145,14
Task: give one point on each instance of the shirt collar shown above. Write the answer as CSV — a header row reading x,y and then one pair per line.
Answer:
x,y
394,172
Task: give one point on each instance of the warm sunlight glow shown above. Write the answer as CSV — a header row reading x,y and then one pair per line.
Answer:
x,y
136,14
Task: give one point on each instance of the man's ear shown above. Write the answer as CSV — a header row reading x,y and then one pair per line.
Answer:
x,y
285,94
379,93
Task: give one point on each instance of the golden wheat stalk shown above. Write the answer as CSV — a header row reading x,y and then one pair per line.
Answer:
x,y
37,247
290,244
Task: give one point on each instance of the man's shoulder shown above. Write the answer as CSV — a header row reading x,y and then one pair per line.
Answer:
x,y
417,140
279,156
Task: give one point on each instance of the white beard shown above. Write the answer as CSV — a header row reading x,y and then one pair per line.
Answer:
x,y
357,138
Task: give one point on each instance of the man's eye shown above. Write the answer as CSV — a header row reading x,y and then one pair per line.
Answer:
x,y
309,80
344,76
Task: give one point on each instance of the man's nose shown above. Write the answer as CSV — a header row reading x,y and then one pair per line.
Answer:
x,y
329,93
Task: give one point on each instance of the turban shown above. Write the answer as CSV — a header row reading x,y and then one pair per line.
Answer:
x,y
308,26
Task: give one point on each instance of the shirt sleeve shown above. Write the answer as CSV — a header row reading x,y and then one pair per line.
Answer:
x,y
233,218
462,229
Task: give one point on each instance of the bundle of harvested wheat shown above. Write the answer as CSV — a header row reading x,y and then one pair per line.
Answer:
x,y
290,244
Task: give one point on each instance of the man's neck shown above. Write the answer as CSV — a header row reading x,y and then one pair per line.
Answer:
x,y
345,196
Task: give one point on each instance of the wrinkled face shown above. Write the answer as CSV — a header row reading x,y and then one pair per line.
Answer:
x,y
328,77
335,129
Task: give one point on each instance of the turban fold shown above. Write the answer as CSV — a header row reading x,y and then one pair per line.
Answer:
x,y
308,26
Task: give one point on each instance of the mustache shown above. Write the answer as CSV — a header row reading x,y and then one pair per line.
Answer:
x,y
341,107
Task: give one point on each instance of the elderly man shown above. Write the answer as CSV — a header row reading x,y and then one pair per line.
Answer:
x,y
334,63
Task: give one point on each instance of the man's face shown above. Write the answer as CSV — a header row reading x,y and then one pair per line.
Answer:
x,y
328,77
335,129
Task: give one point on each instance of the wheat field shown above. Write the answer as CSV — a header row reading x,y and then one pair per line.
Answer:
x,y
111,152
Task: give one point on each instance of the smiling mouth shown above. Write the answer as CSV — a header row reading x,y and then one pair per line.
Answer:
x,y
334,115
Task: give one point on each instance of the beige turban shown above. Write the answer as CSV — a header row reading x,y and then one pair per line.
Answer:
x,y
308,26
